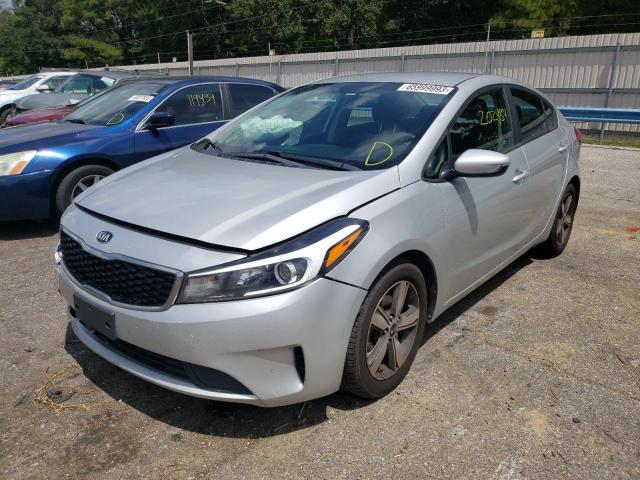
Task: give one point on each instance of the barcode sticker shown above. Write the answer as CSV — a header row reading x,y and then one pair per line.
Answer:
x,y
141,98
425,88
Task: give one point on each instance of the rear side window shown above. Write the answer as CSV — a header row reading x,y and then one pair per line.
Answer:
x,y
245,96
195,104
531,114
485,124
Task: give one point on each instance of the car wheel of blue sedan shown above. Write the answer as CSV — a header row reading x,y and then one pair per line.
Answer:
x,y
387,332
77,181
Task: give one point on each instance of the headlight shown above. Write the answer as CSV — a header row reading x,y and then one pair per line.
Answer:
x,y
279,269
15,163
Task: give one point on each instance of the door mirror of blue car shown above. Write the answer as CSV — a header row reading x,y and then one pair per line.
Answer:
x,y
160,120
476,162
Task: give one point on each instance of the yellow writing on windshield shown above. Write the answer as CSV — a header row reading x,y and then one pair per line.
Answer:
x,y
117,118
381,147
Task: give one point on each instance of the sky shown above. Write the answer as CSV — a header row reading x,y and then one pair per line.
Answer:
x,y
5,4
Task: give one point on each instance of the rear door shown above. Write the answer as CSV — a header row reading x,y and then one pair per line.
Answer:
x,y
198,110
546,147
244,96
486,217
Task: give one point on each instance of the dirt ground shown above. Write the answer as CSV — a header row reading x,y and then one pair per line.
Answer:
x,y
534,376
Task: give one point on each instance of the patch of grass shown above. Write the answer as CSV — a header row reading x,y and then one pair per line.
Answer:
x,y
631,142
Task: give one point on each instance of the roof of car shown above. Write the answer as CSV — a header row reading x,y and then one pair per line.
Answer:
x,y
200,79
439,78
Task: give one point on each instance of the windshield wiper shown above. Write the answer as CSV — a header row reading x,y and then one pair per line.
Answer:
x,y
76,120
265,156
315,161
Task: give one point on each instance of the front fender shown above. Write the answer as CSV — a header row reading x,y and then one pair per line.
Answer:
x,y
409,219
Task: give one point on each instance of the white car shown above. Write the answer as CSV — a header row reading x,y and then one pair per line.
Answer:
x,y
38,83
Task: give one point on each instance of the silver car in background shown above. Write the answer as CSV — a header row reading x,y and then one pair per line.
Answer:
x,y
303,247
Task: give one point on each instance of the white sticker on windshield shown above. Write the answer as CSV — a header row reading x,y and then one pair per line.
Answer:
x,y
140,98
425,88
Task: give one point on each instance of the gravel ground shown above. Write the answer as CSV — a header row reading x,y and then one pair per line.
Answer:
x,y
536,375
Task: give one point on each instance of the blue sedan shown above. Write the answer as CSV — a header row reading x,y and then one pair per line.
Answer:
x,y
43,167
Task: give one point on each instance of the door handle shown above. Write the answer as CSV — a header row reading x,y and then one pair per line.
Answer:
x,y
563,147
520,176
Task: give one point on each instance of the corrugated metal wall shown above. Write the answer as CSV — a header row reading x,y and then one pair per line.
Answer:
x,y
584,71
575,71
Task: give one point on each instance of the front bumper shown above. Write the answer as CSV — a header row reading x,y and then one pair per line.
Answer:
x,y
253,341
26,196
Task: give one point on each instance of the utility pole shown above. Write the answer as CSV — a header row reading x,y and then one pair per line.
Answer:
x,y
486,49
159,64
190,52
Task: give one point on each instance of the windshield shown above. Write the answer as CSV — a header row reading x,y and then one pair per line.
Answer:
x,y
27,82
116,105
85,84
368,125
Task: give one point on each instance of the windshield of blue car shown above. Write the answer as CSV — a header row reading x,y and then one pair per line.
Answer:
x,y
27,82
116,105
366,125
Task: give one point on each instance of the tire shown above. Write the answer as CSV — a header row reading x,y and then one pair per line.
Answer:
x,y
5,113
555,244
363,374
73,182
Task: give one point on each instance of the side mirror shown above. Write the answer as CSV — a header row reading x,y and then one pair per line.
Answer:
x,y
44,89
476,162
73,101
160,120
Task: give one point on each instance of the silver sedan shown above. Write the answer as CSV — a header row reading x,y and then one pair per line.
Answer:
x,y
303,247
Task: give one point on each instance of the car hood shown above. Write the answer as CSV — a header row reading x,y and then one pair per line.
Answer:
x,y
232,203
45,100
41,135
40,114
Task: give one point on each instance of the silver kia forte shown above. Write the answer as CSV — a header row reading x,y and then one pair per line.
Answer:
x,y
303,247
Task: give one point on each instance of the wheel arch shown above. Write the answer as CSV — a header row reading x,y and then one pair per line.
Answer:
x,y
424,263
575,181
72,165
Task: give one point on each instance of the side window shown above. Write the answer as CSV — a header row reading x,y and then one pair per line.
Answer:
x,y
245,96
485,123
79,84
102,83
437,160
531,114
551,115
53,82
195,104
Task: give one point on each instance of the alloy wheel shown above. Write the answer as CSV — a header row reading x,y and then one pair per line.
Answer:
x,y
85,183
393,329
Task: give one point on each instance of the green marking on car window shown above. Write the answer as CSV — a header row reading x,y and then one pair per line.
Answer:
x,y
201,99
389,148
498,115
117,118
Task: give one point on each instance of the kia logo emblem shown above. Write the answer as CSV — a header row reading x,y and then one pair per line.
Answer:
x,y
104,236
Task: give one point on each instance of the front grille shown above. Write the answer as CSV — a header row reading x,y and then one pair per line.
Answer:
x,y
122,281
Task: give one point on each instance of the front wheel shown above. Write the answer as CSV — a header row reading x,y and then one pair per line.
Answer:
x,y
77,181
4,114
387,333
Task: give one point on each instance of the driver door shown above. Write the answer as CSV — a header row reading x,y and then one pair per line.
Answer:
x,y
198,110
486,216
